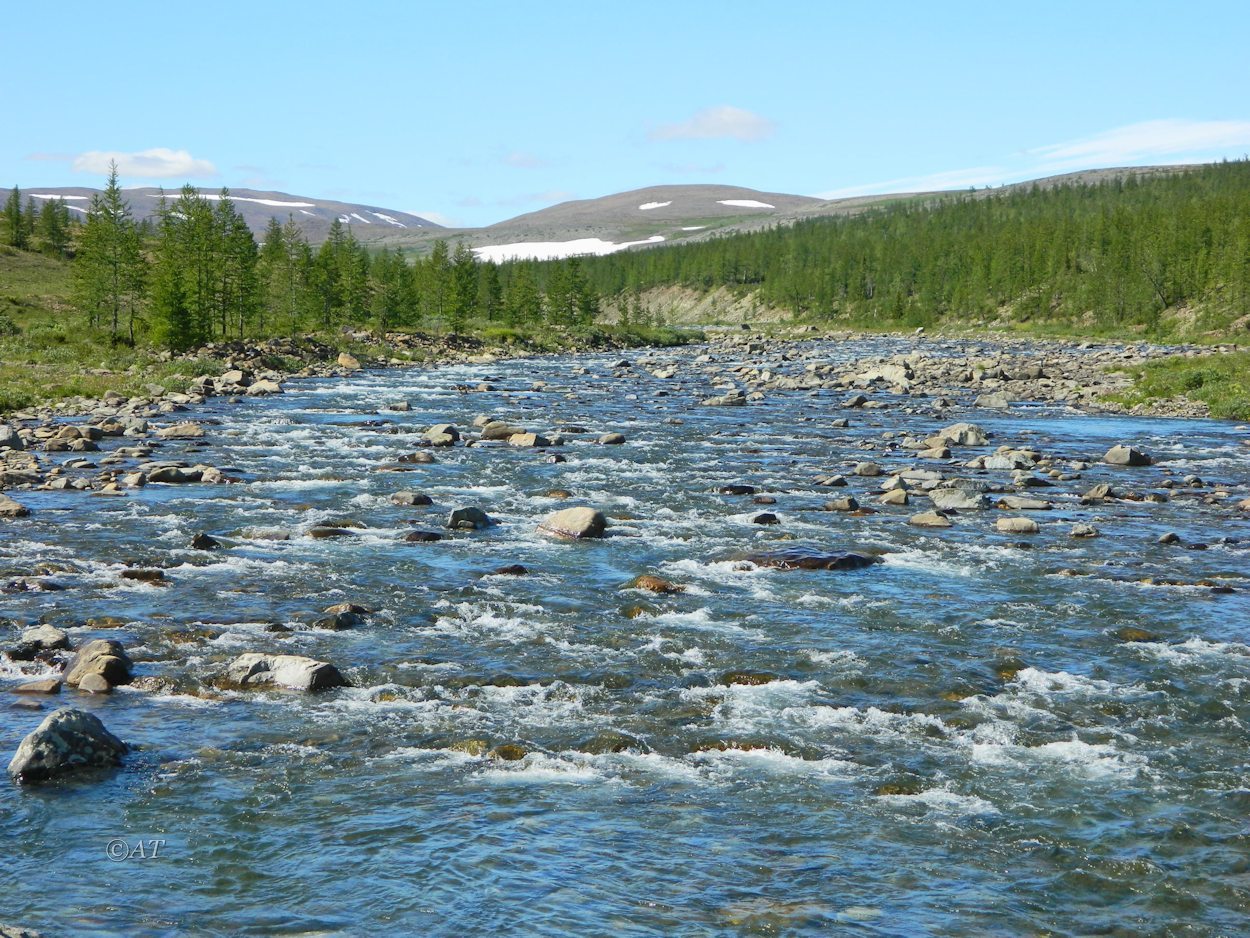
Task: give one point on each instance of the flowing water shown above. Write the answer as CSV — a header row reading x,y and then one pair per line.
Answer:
x,y
955,741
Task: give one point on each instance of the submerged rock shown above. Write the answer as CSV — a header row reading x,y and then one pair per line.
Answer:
x,y
66,741
291,671
796,558
655,584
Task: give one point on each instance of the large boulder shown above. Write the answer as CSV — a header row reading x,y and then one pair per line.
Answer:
x,y
469,518
576,523
181,431
104,657
292,671
12,509
10,439
958,499
348,361
1121,455
964,434
67,740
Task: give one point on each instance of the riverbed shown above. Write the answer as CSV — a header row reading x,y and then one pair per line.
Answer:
x,y
983,733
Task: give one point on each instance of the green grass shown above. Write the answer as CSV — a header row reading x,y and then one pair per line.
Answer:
x,y
1221,381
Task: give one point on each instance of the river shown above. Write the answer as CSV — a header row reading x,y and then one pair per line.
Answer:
x,y
958,740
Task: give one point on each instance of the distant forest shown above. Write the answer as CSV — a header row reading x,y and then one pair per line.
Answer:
x,y
1109,255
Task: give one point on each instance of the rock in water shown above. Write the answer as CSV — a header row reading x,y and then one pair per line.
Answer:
x,y
104,657
348,361
1121,455
957,499
1017,525
575,523
471,518
67,740
12,509
293,671
799,559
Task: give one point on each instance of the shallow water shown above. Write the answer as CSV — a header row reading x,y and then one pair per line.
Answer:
x,y
956,741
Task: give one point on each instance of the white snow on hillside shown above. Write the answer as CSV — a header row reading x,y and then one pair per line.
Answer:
x,y
216,197
694,228
744,203
389,218
305,211
361,218
53,195
554,250
647,206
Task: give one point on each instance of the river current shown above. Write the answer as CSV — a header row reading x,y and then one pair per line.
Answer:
x,y
956,741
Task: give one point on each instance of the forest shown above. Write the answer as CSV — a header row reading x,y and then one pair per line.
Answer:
x,y
1129,254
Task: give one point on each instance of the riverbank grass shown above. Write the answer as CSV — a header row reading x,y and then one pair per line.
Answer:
x,y
1221,381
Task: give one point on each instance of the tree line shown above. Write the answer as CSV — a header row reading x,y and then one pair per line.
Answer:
x,y
197,274
1110,254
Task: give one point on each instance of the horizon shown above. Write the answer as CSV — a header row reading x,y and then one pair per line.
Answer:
x,y
582,118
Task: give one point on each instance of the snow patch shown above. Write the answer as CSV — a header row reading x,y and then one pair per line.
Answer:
x,y
555,250
647,206
744,203
53,195
389,219
694,228
361,218
272,203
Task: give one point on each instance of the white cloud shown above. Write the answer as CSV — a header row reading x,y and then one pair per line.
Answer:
x,y
951,179
1149,142
521,160
1146,140
718,123
157,163
438,218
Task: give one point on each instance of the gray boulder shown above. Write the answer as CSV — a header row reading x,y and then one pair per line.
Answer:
x,y
104,657
576,523
1121,455
469,518
291,671
958,499
67,740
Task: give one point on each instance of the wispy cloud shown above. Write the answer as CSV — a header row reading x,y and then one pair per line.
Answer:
x,y
951,179
156,163
1147,140
718,123
1159,141
528,198
520,160
438,218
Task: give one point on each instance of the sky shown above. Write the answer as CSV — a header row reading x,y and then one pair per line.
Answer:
x,y
473,112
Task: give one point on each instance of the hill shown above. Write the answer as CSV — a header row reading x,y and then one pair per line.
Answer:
x,y
256,206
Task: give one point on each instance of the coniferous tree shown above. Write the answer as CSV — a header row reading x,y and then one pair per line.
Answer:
x,y
464,280
109,271
14,226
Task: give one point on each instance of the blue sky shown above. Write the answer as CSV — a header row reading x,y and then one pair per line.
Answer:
x,y
473,112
